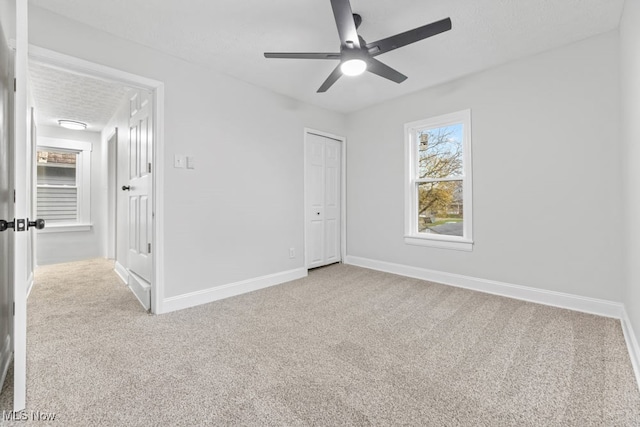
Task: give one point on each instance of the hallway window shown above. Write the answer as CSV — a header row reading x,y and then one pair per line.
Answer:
x,y
63,171
438,171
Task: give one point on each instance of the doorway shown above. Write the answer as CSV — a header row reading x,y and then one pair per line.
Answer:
x,y
126,153
325,198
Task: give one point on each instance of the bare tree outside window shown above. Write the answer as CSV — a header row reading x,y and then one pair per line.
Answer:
x,y
440,161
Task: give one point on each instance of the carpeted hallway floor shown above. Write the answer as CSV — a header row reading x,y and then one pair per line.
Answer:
x,y
345,346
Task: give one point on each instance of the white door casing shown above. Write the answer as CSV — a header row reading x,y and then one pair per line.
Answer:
x,y
112,196
323,186
31,194
156,88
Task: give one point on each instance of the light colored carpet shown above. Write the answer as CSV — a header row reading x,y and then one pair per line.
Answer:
x,y
345,346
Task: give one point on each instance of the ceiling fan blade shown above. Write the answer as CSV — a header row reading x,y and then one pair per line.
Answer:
x,y
377,67
333,77
408,37
301,55
345,23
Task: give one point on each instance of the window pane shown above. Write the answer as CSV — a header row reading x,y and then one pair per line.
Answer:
x,y
57,204
57,196
440,208
440,152
55,168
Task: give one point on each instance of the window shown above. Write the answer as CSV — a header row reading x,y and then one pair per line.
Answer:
x,y
63,172
438,176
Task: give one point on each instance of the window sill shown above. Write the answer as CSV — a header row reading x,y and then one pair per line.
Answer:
x,y
458,244
65,228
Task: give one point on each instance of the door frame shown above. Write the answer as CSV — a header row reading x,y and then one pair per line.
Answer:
x,y
343,190
80,66
112,193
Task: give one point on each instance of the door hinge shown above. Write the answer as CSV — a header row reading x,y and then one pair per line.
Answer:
x,y
15,85
14,196
149,168
14,308
148,248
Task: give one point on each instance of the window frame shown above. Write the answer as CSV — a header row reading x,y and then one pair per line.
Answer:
x,y
411,234
83,181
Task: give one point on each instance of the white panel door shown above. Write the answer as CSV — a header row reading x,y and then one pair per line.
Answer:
x,y
17,234
139,200
323,183
6,237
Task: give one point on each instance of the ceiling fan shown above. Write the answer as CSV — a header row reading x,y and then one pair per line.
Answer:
x,y
356,55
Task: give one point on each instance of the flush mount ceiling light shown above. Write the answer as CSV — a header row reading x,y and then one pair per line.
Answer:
x,y
353,67
72,124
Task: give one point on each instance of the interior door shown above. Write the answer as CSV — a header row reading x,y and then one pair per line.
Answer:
x,y
323,183
6,210
140,195
16,227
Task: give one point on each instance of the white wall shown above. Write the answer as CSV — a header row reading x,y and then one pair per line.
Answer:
x,y
630,85
546,161
237,214
53,248
547,182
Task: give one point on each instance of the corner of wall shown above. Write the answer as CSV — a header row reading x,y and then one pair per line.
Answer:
x,y
630,137
632,345
205,296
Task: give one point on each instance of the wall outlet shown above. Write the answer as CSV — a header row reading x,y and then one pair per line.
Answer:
x,y
292,252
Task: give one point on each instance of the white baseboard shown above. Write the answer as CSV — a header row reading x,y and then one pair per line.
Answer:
x,y
632,345
122,272
232,289
540,296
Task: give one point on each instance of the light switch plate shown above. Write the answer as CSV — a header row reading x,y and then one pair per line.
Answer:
x,y
178,161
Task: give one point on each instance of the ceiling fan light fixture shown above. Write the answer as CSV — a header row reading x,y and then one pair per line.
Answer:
x,y
356,55
353,67
72,124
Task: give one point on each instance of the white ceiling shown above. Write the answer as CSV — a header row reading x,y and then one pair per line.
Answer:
x,y
60,94
230,36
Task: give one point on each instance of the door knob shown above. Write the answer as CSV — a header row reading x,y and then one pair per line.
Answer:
x,y
38,224
126,187
6,224
21,224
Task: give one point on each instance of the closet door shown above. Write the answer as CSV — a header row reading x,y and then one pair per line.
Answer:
x,y
323,183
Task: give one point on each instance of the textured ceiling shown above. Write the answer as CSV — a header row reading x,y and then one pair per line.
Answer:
x,y
231,36
60,94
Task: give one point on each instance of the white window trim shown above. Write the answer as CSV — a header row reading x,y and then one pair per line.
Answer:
x,y
411,235
83,178
59,228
